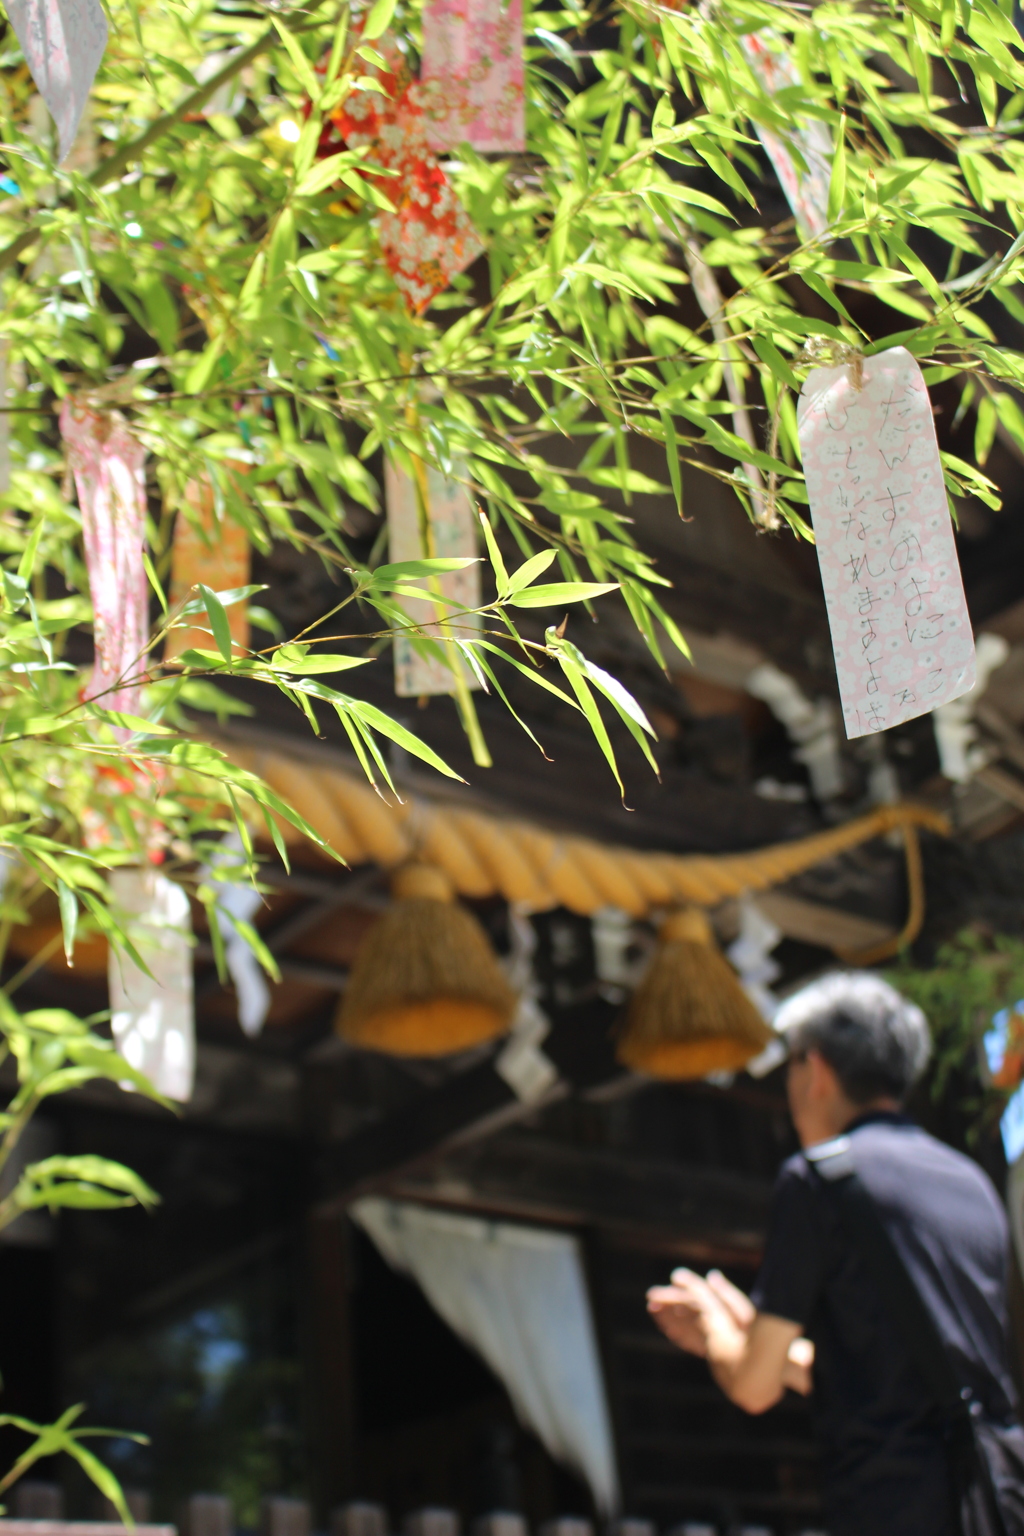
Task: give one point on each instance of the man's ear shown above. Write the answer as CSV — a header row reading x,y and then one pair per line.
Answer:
x,y
824,1083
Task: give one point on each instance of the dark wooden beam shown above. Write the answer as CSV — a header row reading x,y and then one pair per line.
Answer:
x,y
471,1104
704,1211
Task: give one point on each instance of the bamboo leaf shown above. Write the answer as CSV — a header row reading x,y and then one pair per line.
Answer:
x,y
559,592
378,20
218,620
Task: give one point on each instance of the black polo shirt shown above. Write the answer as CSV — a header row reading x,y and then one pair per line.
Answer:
x,y
884,1468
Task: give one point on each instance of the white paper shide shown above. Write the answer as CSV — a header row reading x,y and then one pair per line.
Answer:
x,y
901,634
152,1017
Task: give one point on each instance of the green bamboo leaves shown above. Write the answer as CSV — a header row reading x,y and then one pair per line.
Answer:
x,y
644,293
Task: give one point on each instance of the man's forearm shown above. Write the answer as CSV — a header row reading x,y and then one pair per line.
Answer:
x,y
748,1353
731,1363
752,1368
745,1387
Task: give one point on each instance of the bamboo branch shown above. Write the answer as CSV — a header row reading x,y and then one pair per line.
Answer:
x,y
114,164
709,297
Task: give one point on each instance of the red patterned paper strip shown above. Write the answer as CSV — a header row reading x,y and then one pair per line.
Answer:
x,y
806,190
429,238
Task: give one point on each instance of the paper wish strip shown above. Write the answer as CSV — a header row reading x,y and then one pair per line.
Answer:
x,y
471,78
152,1017
901,634
63,42
806,188
216,554
453,529
428,238
107,462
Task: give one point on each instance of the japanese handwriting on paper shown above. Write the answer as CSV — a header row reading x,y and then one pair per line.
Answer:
x,y
901,634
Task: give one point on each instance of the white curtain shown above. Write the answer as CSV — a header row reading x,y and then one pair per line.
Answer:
x,y
516,1295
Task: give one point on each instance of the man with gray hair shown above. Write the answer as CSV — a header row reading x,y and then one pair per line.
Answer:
x,y
823,1319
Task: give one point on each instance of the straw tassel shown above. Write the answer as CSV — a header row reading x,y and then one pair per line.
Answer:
x,y
426,981
690,1015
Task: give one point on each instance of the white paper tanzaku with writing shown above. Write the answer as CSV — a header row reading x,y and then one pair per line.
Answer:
x,y
901,634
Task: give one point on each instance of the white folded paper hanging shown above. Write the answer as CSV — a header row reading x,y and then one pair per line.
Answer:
x,y
63,42
806,186
529,1072
453,531
751,954
901,634
241,900
152,1017
956,735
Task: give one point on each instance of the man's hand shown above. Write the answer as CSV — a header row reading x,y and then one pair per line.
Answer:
x,y
676,1318
800,1358
753,1356
736,1302
691,1309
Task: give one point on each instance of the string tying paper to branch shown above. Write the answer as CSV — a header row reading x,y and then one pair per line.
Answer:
x,y
107,462
428,238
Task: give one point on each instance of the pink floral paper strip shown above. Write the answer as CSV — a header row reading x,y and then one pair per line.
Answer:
x,y
472,74
901,634
63,42
107,463
806,189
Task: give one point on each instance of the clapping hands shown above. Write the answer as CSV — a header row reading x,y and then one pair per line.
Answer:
x,y
690,1307
696,1312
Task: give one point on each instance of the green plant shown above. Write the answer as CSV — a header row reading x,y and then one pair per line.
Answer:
x,y
223,287
208,277
53,1052
973,977
64,1437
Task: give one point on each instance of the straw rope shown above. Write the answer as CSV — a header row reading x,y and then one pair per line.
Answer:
x,y
487,856
915,909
